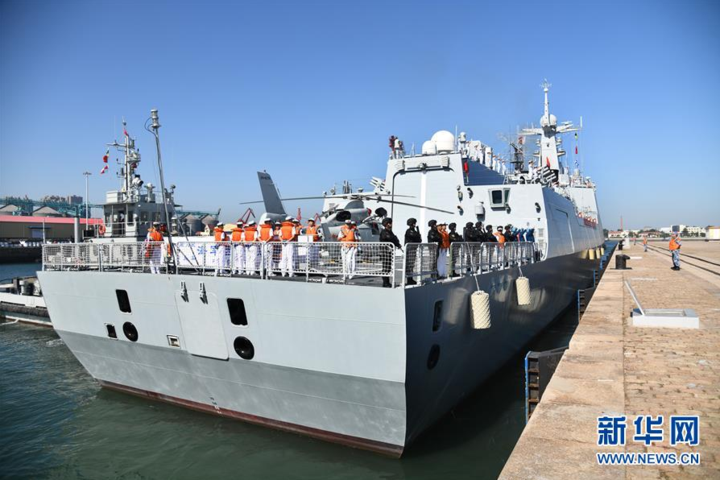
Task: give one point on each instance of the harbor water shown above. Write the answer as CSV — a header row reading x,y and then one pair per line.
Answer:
x,y
56,422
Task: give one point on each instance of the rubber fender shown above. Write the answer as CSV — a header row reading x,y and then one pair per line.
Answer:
x,y
522,284
480,307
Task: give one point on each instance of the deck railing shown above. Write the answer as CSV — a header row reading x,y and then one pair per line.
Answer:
x,y
321,261
427,262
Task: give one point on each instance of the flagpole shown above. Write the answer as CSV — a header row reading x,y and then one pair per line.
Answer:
x,y
87,177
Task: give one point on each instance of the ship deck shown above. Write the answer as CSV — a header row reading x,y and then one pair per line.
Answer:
x,y
324,262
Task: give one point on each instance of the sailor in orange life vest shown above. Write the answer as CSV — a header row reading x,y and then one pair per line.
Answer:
x,y
153,249
265,235
250,238
238,248
644,242
674,246
349,237
287,236
499,236
273,249
312,231
221,252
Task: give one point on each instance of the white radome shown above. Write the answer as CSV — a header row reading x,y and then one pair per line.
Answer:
x,y
552,123
444,140
429,148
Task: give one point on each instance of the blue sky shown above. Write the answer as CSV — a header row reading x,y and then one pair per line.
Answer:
x,y
310,91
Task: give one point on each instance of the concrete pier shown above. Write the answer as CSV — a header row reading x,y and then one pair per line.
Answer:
x,y
612,368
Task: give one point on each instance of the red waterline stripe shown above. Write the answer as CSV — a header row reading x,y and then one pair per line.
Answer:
x,y
347,440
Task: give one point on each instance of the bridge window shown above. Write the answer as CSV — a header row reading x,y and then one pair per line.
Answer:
x,y
237,311
123,301
499,197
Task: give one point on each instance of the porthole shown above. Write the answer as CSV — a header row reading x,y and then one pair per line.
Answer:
x,y
130,331
433,356
244,348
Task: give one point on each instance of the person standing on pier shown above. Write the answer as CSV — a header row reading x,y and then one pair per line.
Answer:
x,y
644,242
674,246
412,235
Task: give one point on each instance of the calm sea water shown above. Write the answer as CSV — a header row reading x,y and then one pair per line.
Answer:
x,y
55,422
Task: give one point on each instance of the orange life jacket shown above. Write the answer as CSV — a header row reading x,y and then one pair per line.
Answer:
x,y
445,239
348,234
155,236
286,231
674,245
265,232
312,230
500,237
237,234
220,235
249,234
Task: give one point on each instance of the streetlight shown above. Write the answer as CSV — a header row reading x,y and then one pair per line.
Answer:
x,y
87,176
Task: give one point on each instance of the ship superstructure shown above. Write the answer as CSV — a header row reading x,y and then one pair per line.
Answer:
x,y
330,353
129,211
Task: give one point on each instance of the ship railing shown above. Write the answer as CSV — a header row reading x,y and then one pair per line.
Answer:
x,y
319,261
426,262
331,260
421,262
130,256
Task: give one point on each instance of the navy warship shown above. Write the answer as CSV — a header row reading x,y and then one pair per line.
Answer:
x,y
347,361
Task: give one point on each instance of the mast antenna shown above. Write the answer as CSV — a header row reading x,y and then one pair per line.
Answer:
x,y
155,131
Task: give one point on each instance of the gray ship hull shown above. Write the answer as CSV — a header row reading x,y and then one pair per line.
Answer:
x,y
344,363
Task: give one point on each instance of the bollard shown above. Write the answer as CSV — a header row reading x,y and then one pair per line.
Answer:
x,y
621,262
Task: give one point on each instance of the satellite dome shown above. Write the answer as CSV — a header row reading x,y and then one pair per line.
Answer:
x,y
429,148
444,140
545,123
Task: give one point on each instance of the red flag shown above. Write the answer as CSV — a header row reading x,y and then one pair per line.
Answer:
x,y
547,160
575,149
125,132
107,154
104,169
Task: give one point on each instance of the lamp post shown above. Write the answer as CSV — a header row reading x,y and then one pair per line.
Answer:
x,y
87,177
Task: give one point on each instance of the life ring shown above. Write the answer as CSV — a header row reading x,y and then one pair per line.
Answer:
x,y
101,229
